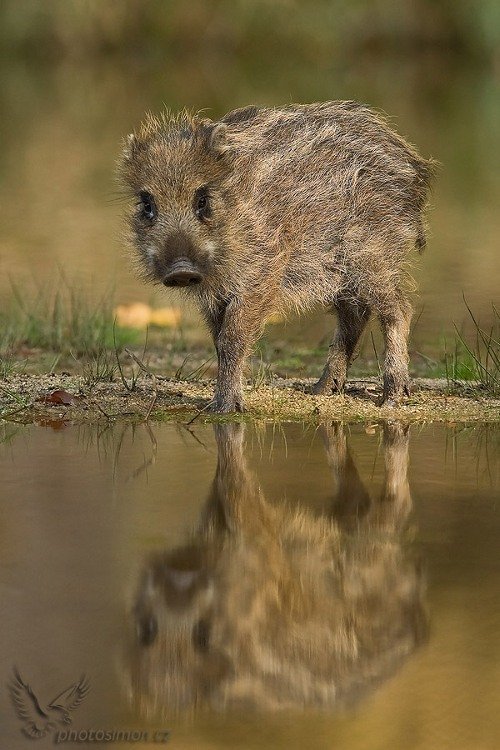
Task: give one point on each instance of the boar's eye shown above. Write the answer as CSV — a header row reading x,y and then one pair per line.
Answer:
x,y
147,206
201,204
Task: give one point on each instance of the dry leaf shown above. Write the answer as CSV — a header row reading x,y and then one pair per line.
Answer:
x,y
136,315
59,396
139,315
166,317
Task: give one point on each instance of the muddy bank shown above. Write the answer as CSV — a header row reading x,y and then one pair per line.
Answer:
x,y
49,399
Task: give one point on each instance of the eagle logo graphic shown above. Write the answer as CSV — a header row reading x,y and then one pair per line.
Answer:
x,y
40,721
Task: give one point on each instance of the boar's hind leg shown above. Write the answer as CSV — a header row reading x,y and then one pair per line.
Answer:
x,y
395,322
352,318
351,500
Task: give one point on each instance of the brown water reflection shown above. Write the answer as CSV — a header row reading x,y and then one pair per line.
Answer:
x,y
270,607
287,579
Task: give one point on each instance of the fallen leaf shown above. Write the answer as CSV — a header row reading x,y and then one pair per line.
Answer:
x,y
139,315
166,317
136,315
59,396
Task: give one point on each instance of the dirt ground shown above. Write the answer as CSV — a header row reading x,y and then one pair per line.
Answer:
x,y
54,399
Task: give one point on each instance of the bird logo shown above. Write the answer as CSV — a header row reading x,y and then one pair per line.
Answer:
x,y
38,721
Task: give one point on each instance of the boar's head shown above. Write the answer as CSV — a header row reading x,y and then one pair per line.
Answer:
x,y
174,168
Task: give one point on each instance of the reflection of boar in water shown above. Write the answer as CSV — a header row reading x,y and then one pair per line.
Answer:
x,y
270,607
271,209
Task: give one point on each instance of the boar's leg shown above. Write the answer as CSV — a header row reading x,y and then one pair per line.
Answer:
x,y
395,322
231,479
352,318
234,332
351,500
390,515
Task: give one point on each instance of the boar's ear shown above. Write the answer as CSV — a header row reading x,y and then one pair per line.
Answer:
x,y
217,140
214,135
133,144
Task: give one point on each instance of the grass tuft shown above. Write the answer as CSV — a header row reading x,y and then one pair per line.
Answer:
x,y
476,359
192,375
60,317
98,367
9,365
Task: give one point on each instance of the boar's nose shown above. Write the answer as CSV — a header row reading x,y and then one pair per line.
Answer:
x,y
182,272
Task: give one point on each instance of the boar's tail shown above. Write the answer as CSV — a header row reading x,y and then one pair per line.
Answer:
x,y
425,173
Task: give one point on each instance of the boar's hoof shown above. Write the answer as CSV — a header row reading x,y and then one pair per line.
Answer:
x,y
227,406
391,403
321,389
393,399
326,388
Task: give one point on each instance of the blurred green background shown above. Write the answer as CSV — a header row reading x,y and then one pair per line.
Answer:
x,y
77,75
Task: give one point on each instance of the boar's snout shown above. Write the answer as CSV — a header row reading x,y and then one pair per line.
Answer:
x,y
182,272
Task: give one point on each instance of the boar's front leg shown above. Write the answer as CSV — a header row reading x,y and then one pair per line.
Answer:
x,y
235,329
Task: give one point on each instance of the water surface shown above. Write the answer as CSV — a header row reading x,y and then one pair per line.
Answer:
x,y
256,587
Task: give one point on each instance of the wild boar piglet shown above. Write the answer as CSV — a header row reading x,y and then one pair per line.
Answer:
x,y
272,209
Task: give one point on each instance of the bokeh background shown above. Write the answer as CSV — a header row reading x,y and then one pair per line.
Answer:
x,y
77,75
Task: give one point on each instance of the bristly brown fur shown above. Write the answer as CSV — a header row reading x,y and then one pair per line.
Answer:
x,y
316,203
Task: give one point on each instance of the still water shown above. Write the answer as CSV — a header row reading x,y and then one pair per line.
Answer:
x,y
249,586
